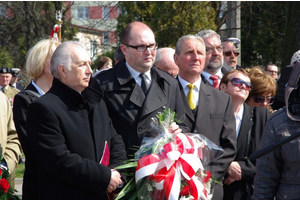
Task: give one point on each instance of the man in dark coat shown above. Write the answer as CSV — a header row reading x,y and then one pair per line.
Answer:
x,y
71,135
212,112
129,107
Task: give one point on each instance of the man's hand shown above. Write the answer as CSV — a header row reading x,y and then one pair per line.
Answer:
x,y
235,171
229,180
115,181
174,128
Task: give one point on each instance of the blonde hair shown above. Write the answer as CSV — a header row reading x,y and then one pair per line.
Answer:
x,y
37,55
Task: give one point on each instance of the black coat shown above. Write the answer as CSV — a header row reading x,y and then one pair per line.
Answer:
x,y
22,101
254,120
68,132
130,110
215,120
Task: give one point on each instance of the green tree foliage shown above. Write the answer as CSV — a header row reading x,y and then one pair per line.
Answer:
x,y
291,42
169,20
24,23
262,33
5,58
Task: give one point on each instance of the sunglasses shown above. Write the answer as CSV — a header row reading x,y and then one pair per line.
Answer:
x,y
262,99
239,83
228,53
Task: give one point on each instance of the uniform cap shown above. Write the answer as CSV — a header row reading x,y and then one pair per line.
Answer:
x,y
5,70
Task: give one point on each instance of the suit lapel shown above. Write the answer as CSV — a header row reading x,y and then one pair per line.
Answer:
x,y
137,96
156,98
204,100
124,77
246,125
187,108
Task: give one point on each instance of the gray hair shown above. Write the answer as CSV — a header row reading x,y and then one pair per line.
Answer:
x,y
207,34
187,37
63,56
161,51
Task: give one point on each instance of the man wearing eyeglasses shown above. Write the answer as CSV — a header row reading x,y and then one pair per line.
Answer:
x,y
213,69
272,70
230,54
135,91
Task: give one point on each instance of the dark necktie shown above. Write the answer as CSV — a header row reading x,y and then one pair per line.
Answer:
x,y
4,90
144,84
215,79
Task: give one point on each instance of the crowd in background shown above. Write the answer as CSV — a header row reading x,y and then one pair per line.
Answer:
x,y
75,126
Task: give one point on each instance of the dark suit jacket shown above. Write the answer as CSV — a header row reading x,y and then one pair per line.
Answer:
x,y
224,70
68,132
22,101
215,120
130,110
254,120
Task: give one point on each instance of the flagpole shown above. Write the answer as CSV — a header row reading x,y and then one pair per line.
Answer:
x,y
59,22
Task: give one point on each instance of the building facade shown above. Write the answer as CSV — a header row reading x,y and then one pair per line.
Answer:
x,y
96,22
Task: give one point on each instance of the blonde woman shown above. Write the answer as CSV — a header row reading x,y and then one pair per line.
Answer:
x,y
38,68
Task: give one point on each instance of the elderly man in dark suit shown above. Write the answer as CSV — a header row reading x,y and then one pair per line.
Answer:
x,y
71,135
213,69
135,91
208,111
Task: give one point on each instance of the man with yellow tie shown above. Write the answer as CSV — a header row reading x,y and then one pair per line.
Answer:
x,y
207,111
5,77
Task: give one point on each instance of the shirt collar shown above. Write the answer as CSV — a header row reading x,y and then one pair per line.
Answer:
x,y
135,74
41,92
184,83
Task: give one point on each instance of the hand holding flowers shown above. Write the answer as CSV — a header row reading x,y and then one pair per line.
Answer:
x,y
171,166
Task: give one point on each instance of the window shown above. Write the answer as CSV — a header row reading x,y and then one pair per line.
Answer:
x,y
93,48
105,12
82,12
106,38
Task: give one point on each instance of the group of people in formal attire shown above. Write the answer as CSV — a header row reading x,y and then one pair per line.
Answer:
x,y
75,129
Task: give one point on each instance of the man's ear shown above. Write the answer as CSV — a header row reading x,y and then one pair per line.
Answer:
x,y
223,87
123,49
62,71
175,58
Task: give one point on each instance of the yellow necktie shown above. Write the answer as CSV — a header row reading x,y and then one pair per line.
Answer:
x,y
190,97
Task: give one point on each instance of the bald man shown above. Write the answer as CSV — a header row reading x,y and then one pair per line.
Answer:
x,y
165,61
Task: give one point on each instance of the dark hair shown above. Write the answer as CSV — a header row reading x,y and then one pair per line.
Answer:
x,y
118,54
225,78
102,61
269,64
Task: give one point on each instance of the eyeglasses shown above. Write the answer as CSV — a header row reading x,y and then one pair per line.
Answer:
x,y
273,72
143,48
211,49
238,83
262,99
229,53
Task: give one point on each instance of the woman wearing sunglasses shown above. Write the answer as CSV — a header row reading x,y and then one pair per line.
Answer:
x,y
263,89
250,122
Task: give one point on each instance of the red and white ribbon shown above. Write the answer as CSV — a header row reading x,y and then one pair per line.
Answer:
x,y
179,158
